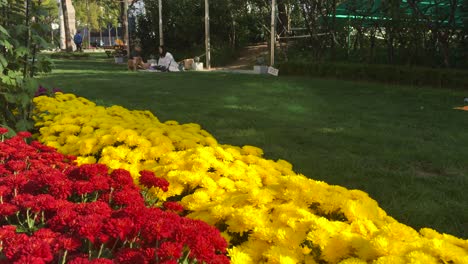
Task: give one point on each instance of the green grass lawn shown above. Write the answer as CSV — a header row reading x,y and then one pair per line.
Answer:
x,y
405,146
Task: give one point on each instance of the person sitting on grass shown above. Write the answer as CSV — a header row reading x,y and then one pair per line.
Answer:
x,y
135,61
166,62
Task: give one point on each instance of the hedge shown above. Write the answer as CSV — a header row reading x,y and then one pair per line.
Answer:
x,y
390,74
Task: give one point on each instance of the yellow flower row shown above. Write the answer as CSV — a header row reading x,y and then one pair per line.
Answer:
x,y
268,213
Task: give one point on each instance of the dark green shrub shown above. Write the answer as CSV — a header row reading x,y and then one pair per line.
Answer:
x,y
21,28
401,75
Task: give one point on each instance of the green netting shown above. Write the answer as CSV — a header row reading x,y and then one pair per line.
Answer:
x,y
381,10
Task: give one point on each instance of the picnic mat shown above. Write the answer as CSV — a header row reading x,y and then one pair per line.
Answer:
x,y
464,108
148,70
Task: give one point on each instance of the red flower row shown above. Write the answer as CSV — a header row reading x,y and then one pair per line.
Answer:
x,y
55,212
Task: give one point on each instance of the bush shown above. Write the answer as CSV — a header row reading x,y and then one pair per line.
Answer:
x,y
400,75
268,213
19,62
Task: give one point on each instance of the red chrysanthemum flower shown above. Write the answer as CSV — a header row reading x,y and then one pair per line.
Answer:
x,y
170,250
4,190
73,206
119,228
98,209
122,177
127,197
65,217
159,225
16,165
86,171
131,256
50,237
173,206
8,209
3,130
69,243
6,232
80,260
149,180
85,260
4,171
83,187
88,226
24,134
102,261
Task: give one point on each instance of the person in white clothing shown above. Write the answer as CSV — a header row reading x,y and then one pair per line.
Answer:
x,y
166,61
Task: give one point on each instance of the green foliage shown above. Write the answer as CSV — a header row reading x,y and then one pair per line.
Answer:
x,y
401,75
424,33
431,33
233,24
96,14
20,41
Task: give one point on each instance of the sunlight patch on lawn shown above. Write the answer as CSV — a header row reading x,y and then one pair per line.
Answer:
x,y
248,132
295,108
329,130
231,99
243,107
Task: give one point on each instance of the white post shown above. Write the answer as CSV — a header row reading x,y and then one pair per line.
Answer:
x,y
273,33
125,25
161,36
109,28
62,25
88,28
207,35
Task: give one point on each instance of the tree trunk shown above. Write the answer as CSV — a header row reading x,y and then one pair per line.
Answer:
x,y
372,46
232,31
390,48
309,23
125,26
444,47
283,23
109,28
62,27
207,35
89,23
68,30
332,31
273,33
234,35
28,36
124,18
160,18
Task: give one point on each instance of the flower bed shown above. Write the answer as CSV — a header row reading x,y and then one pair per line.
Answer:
x,y
55,212
266,211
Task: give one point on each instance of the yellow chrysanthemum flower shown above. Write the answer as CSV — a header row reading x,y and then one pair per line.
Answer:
x,y
269,213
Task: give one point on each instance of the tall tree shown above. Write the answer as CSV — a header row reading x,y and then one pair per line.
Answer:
x,y
284,23
66,18
50,15
125,25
